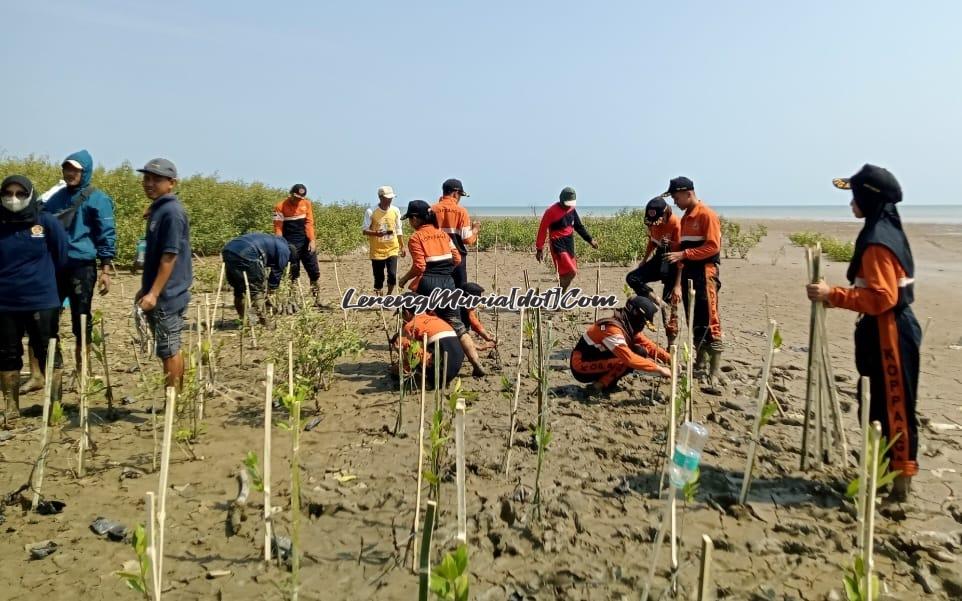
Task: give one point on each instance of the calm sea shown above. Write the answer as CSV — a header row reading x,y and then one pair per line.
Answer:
x,y
910,213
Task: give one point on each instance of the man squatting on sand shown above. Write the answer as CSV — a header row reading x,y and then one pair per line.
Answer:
x,y
664,236
887,335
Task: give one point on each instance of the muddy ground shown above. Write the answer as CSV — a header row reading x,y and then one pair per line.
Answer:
x,y
792,541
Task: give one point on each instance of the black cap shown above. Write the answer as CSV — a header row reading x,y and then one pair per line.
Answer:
x,y
161,167
299,189
567,195
453,185
641,307
417,208
680,184
872,181
655,208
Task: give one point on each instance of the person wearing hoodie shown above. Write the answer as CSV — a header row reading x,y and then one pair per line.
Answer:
x,y
33,246
260,257
87,214
887,334
558,225
614,346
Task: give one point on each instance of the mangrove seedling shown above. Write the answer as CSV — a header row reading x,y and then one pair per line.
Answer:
x,y
885,477
252,465
137,581
449,579
855,582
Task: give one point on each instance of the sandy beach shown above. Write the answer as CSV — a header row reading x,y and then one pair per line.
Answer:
x,y
793,540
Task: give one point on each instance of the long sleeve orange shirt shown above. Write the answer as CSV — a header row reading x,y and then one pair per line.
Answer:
x,y
877,285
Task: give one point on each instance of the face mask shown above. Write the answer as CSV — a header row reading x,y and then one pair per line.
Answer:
x,y
14,204
569,203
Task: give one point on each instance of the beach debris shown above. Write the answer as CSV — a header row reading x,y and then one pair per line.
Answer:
x,y
50,507
128,400
313,423
41,549
212,574
128,472
114,530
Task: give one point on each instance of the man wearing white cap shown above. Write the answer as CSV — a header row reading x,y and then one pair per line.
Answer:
x,y
382,226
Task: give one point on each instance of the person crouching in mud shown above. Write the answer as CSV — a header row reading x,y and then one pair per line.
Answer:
x,y
614,346
416,325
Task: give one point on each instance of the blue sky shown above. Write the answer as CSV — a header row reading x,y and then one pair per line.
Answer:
x,y
758,102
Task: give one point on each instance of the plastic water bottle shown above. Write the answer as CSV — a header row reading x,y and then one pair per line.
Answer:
x,y
141,254
690,440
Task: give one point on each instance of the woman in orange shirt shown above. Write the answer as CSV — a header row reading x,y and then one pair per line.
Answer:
x,y
887,335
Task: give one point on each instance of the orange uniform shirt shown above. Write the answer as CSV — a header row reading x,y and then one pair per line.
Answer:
x,y
454,221
431,249
294,220
607,336
700,233
876,289
669,229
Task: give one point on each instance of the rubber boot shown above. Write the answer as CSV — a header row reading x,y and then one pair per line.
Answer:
x,y
10,384
316,294
35,382
701,361
901,489
716,380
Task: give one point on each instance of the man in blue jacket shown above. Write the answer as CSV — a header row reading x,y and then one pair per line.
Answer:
x,y
261,257
87,214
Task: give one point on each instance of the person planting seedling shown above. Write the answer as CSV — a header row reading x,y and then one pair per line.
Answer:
x,y
664,236
558,225
470,318
614,346
294,220
168,273
437,329
887,334
33,245
263,259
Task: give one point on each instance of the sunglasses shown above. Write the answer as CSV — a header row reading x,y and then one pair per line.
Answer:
x,y
20,194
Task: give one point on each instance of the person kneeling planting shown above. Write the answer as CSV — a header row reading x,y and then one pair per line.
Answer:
x,y
614,346
415,327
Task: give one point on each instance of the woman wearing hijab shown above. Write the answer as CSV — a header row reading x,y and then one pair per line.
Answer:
x,y
33,246
887,335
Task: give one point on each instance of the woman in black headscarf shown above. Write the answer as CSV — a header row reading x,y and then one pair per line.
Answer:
x,y
33,245
887,335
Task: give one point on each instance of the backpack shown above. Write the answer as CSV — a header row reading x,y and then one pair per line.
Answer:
x,y
66,216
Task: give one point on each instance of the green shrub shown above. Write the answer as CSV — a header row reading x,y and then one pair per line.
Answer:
x,y
736,243
833,248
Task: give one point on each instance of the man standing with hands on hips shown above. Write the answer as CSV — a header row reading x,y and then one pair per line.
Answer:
x,y
698,259
168,273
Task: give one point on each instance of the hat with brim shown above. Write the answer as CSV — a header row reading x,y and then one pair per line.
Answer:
x,y
655,208
679,184
872,182
72,163
161,167
386,192
417,208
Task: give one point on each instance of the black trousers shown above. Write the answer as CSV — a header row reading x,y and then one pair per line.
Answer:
x,y
77,282
450,348
704,277
39,326
428,283
654,270
887,352
309,259
379,266
247,262
460,273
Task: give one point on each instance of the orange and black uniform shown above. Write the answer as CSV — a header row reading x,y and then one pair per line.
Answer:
x,y
610,349
294,220
453,220
440,331
662,238
887,335
433,258
700,239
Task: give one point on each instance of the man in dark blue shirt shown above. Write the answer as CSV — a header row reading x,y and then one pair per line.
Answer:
x,y
260,257
165,285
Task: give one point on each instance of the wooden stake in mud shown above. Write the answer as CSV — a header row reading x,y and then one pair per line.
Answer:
x,y
401,377
513,413
692,353
247,313
47,394
84,440
295,495
834,406
865,397
109,391
477,259
459,467
417,501
162,486
424,574
217,306
761,401
813,259
151,535
706,592
268,424
199,374
868,546
597,286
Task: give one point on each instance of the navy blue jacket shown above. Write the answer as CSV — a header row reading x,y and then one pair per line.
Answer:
x,y
273,250
168,231
31,252
91,232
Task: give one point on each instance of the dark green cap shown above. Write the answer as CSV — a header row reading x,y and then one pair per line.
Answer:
x,y
567,194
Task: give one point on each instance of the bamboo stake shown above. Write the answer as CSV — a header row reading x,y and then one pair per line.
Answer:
x,y
762,397
868,547
153,426
706,592
459,466
401,378
497,321
83,397
290,367
295,494
597,285
417,501
268,424
692,353
110,389
162,486
865,395
199,374
812,256
424,574
47,394
673,351
247,313
834,405
513,415
822,443
217,305
152,544
672,497
477,259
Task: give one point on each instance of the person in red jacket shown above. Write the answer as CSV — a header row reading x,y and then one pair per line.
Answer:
x,y
887,334
614,346
664,236
698,258
558,224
